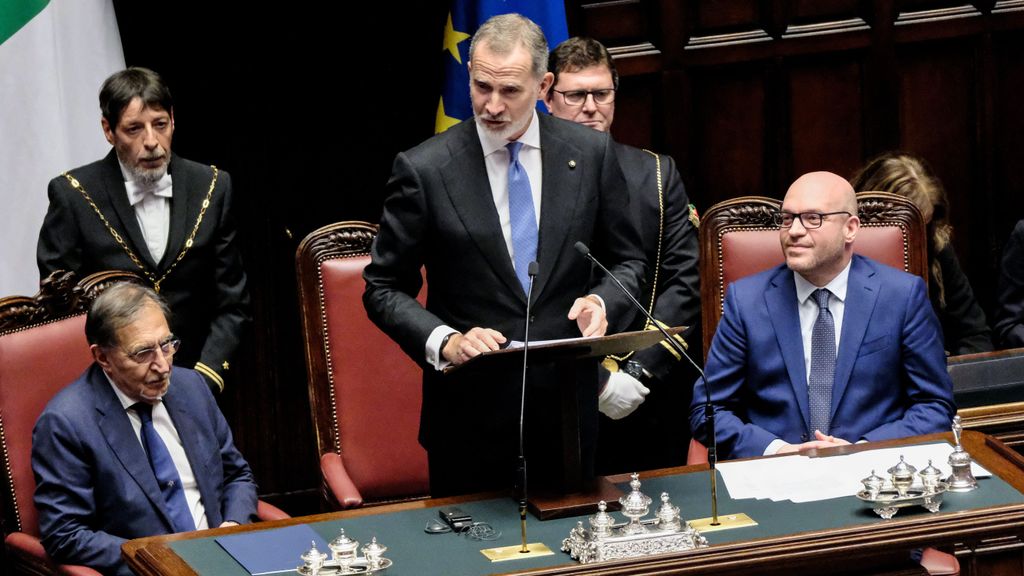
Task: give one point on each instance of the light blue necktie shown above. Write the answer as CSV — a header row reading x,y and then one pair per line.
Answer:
x,y
524,219
166,474
823,365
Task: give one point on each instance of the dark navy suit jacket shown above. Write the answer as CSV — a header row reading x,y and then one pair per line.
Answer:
x,y
94,485
890,379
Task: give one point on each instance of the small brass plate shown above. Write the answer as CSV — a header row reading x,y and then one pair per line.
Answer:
x,y
725,522
514,552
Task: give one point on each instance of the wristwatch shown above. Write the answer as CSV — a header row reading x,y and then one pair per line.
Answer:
x,y
444,342
636,370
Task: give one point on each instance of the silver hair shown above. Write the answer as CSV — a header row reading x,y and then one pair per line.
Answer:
x,y
117,307
504,32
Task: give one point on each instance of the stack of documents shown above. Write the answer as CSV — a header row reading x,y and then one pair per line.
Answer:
x,y
804,479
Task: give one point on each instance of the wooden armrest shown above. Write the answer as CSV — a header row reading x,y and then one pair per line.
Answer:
x,y
266,512
338,483
28,551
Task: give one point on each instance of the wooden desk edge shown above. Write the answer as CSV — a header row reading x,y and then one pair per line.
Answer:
x,y
153,557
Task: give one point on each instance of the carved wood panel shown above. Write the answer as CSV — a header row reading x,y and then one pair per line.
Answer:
x,y
757,92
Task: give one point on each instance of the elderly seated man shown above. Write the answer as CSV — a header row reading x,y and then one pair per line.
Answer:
x,y
129,449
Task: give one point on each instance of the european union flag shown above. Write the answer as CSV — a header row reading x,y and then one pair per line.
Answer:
x,y
463,20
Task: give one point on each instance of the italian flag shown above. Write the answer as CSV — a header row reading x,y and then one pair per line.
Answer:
x,y
54,55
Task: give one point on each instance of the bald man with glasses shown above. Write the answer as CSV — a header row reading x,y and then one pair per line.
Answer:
x,y
829,348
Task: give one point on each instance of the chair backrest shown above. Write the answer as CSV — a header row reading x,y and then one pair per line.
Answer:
x,y
42,349
739,238
365,393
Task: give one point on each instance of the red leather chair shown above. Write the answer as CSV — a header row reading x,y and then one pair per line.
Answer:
x,y
42,349
365,393
738,238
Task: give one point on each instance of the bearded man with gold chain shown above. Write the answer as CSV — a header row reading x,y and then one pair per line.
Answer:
x,y
146,210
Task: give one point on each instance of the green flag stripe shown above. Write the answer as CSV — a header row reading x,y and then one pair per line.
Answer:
x,y
16,13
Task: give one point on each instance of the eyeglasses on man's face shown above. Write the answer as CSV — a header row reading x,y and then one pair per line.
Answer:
x,y
168,346
578,97
809,220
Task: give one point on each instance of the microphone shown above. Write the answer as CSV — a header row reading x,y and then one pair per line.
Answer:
x,y
709,410
532,272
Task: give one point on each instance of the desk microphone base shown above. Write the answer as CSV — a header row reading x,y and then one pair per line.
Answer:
x,y
506,553
725,522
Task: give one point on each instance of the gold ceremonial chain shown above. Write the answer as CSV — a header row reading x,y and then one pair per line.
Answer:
x,y
661,236
124,245
657,264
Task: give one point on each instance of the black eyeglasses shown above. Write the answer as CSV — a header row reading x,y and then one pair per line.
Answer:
x,y
578,97
168,347
809,220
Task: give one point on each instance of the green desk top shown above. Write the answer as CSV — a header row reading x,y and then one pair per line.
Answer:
x,y
416,553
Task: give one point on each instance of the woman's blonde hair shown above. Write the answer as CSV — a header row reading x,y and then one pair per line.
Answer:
x,y
906,175
903,174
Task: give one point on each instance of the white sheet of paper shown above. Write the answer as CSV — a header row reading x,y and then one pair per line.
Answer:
x,y
803,479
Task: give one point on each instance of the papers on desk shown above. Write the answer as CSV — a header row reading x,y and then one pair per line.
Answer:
x,y
517,344
803,479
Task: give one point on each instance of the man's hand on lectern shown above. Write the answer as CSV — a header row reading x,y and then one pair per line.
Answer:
x,y
462,347
588,312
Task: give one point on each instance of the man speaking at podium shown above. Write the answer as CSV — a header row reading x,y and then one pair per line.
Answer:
x,y
476,205
830,348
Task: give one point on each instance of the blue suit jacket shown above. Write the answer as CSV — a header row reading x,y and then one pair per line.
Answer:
x,y
890,378
94,485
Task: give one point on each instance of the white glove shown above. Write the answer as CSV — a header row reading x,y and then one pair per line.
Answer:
x,y
621,396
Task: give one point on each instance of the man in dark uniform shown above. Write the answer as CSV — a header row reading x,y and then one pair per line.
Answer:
x,y
146,210
585,83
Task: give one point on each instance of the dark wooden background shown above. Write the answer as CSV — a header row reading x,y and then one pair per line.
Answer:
x,y
306,106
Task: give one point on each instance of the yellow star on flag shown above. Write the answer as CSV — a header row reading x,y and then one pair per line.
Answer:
x,y
443,121
452,39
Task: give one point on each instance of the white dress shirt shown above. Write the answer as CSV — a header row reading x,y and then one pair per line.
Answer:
x,y
152,205
496,159
808,310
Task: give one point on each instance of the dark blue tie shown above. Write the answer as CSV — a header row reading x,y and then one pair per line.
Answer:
x,y
166,474
522,215
823,364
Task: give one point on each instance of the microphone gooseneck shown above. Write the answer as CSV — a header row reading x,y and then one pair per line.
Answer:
x,y
709,410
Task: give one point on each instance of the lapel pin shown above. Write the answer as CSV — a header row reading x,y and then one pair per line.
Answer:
x,y
572,164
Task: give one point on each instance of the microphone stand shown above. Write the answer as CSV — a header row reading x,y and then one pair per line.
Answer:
x,y
524,549
709,409
532,271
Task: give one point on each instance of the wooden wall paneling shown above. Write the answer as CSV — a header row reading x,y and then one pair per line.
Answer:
x,y
917,20
728,137
914,11
938,121
826,110
802,12
727,31
636,108
724,16
615,22
809,18
755,92
1008,131
881,119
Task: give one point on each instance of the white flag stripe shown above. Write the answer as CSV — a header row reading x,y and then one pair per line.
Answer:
x,y
50,75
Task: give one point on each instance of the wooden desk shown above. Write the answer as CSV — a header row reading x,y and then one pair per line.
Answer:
x,y
988,538
989,389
